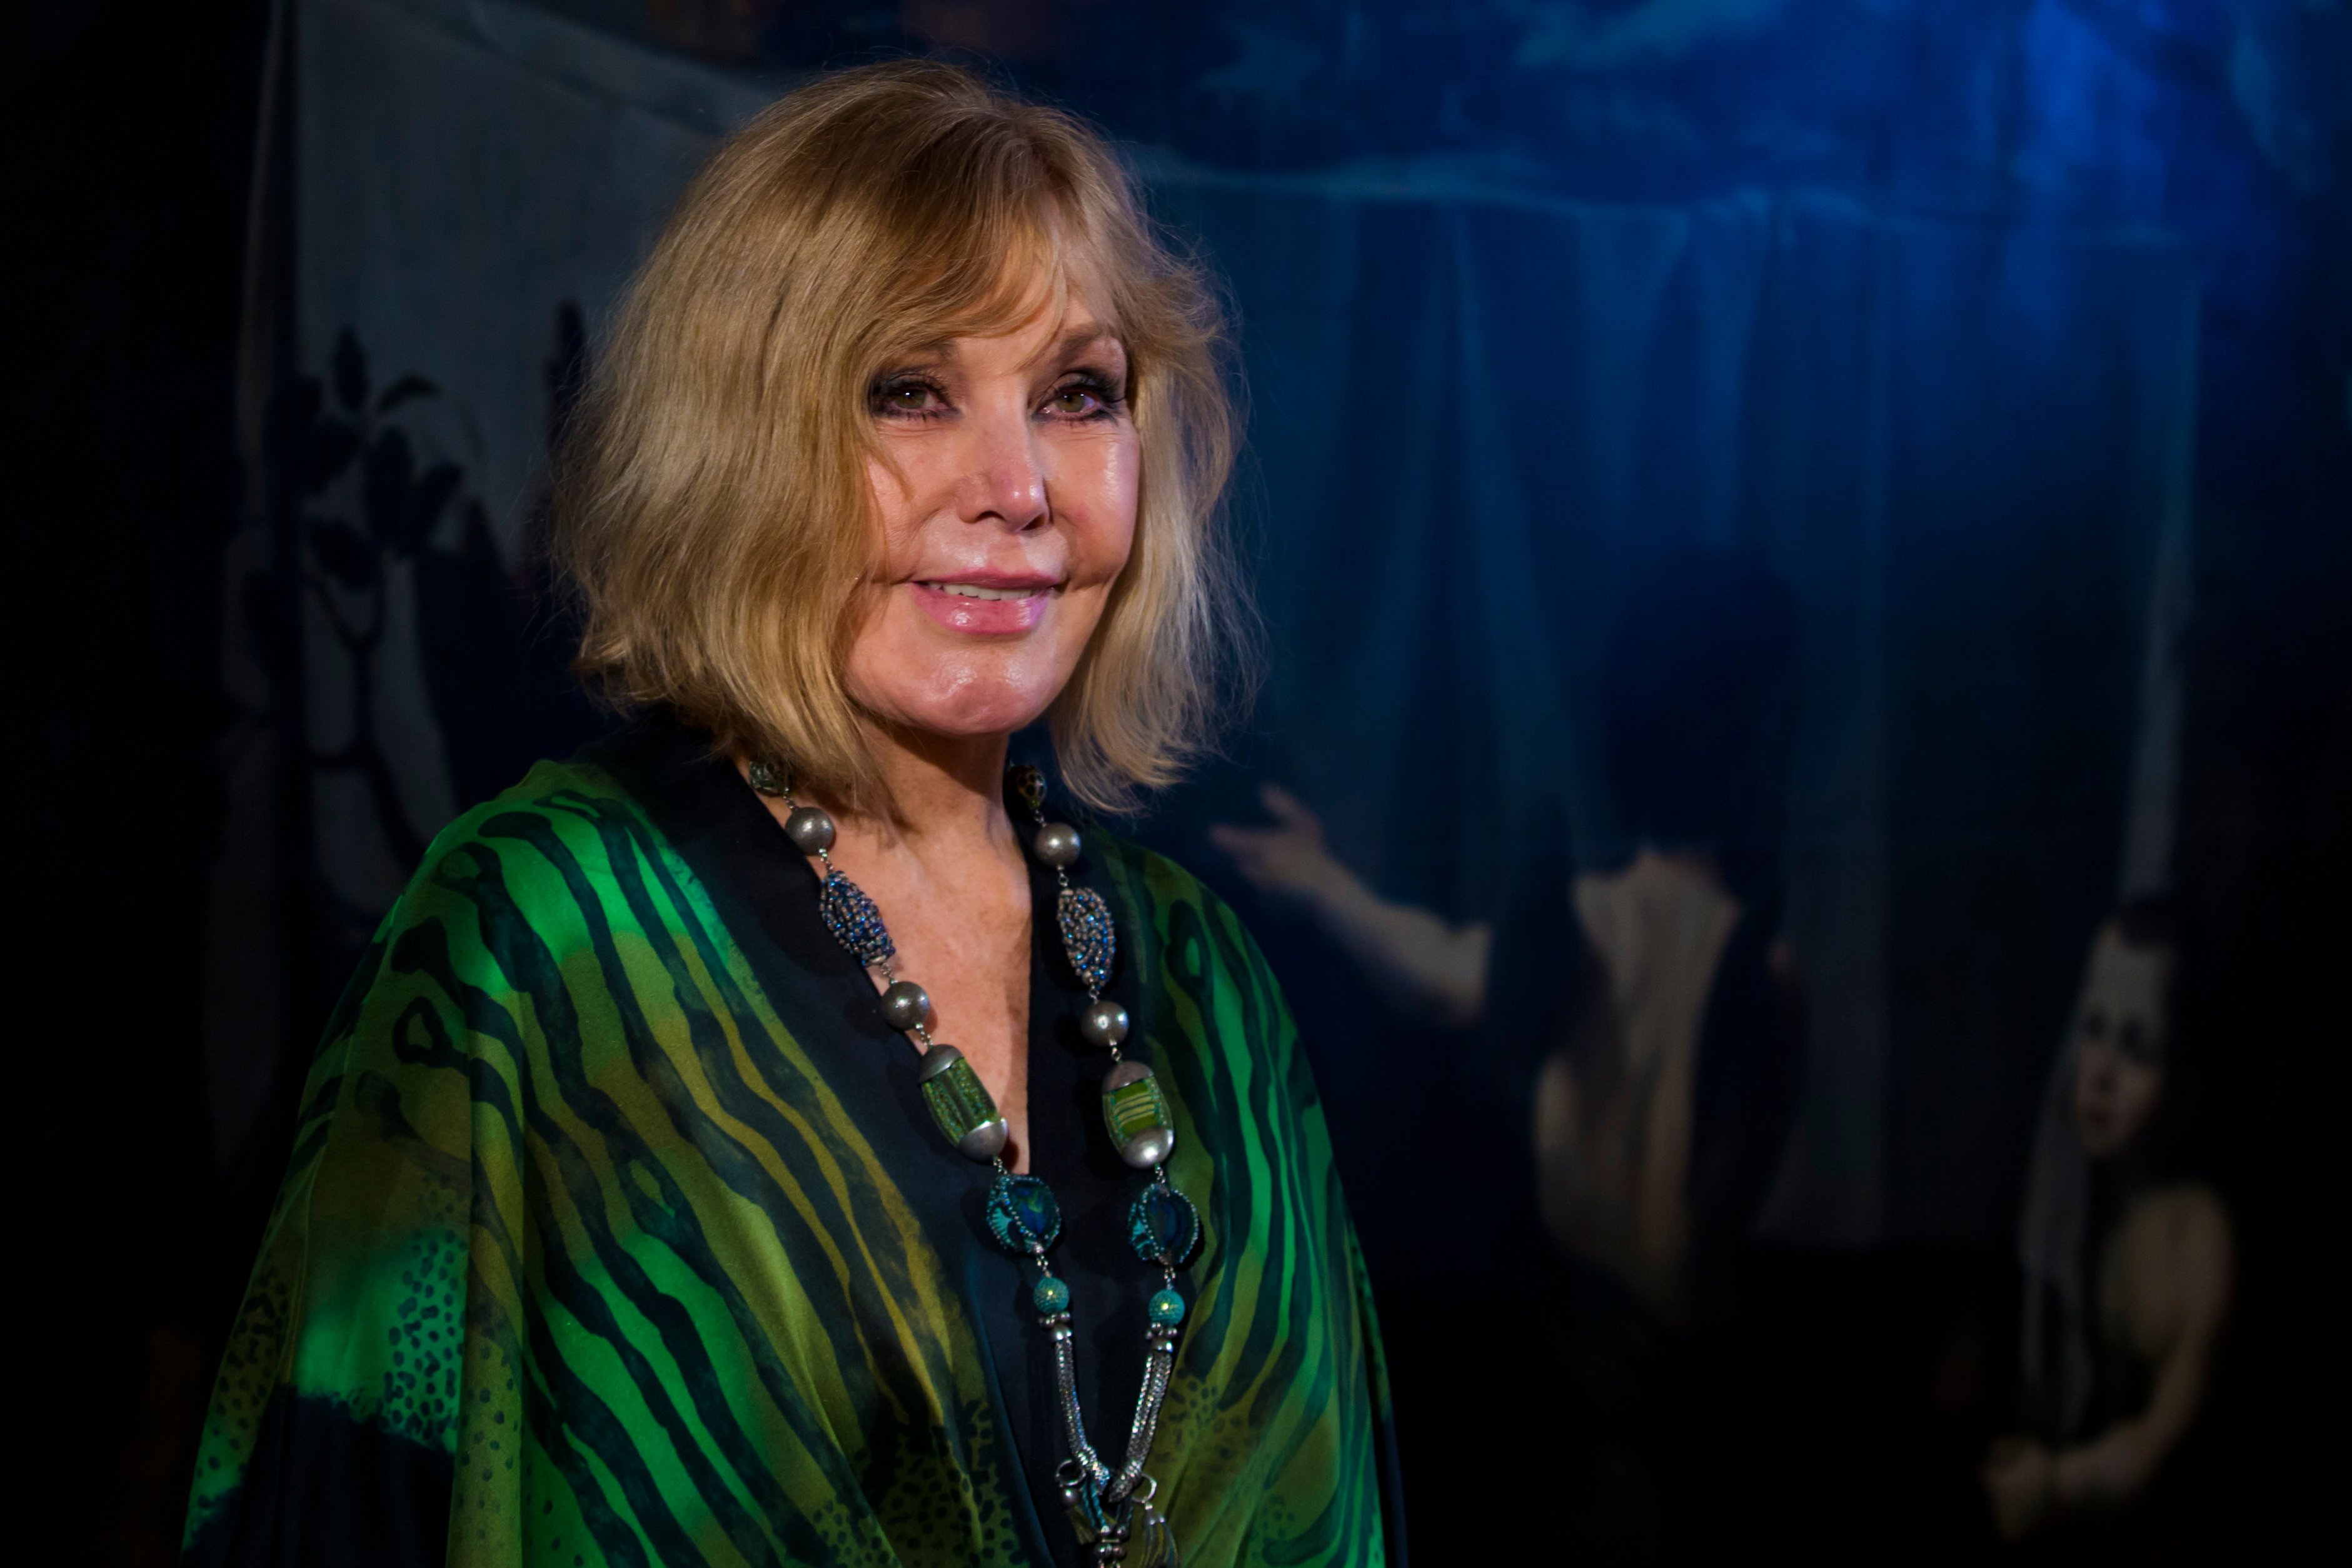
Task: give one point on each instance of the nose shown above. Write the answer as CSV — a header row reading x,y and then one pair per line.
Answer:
x,y
1004,482
2097,1075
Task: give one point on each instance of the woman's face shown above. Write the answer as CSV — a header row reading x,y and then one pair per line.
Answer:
x,y
2119,1060
1008,517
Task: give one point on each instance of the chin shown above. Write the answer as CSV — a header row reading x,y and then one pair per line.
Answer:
x,y
977,691
975,707
968,722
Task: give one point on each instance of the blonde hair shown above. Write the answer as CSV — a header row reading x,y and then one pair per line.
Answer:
x,y
712,512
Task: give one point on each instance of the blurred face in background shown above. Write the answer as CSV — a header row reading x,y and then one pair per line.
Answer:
x,y
2120,1052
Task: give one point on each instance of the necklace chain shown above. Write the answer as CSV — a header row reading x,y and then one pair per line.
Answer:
x,y
1111,1510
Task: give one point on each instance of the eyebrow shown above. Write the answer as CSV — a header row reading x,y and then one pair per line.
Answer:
x,y
1073,341
931,348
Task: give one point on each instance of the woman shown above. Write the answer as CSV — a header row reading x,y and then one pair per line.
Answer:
x,y
623,1224
2128,1264
1646,1024
1653,1006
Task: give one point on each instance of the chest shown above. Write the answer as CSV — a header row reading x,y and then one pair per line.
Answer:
x,y
974,958
969,947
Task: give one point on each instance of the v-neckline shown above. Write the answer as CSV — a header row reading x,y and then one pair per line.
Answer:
x,y
765,892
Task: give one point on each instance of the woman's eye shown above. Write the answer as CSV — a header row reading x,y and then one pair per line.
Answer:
x,y
2139,1044
908,397
1082,399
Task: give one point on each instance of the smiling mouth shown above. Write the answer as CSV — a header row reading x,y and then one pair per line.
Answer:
x,y
974,591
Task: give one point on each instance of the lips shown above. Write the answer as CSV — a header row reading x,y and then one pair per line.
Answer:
x,y
986,603
976,591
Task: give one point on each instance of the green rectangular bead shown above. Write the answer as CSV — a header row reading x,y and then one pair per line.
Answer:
x,y
1134,1107
959,1101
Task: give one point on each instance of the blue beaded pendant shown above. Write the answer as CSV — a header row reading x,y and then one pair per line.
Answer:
x,y
1167,1309
1050,1296
1163,1227
1087,935
1022,1214
853,920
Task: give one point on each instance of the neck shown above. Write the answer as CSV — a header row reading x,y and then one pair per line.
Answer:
x,y
1703,863
942,789
2125,1174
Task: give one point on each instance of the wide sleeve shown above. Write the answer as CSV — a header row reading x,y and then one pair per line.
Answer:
x,y
365,1405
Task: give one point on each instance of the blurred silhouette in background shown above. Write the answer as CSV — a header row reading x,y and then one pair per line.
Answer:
x,y
2125,1253
1659,1016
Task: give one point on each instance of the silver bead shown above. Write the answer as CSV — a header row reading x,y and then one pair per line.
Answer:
x,y
905,1004
1057,845
985,1141
1103,1023
810,830
1148,1148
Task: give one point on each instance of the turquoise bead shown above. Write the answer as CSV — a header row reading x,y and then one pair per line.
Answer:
x,y
1167,1309
1022,1214
1052,1296
1163,1227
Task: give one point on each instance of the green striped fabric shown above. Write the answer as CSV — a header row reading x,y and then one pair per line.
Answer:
x,y
581,1257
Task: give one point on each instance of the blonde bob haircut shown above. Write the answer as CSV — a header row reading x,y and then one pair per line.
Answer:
x,y
712,510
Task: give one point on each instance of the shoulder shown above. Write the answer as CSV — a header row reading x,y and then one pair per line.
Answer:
x,y
1198,972
1179,910
2186,1221
561,851
2180,1235
1207,1002
479,946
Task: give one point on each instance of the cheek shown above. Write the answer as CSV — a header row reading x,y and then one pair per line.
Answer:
x,y
1099,490
2137,1091
2090,1074
897,514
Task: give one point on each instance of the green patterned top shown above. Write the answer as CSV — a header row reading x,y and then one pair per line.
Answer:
x,y
616,1232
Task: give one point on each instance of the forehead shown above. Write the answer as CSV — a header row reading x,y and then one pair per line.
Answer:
x,y
1046,288
2122,976
1041,339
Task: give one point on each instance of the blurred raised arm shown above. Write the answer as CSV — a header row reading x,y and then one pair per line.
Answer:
x,y
1414,957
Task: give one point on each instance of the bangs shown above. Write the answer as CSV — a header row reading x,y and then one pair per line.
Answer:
x,y
987,267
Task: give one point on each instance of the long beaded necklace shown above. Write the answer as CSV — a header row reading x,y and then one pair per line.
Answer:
x,y
1110,1509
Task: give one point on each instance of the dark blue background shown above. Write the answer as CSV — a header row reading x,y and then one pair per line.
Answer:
x,y
1961,255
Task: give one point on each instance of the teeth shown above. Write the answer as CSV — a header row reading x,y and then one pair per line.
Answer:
x,y
972,591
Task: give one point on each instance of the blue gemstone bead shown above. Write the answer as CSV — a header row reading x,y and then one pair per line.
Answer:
x,y
1052,1296
1022,1214
853,920
1163,1227
1090,936
1167,1309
